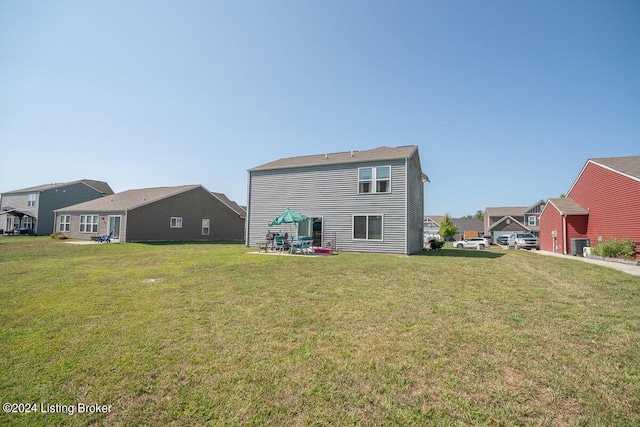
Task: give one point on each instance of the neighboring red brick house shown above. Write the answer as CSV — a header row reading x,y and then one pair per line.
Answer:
x,y
602,204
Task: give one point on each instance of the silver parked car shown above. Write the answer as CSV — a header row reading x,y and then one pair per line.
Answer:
x,y
523,240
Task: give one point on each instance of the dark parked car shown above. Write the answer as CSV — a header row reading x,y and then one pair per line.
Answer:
x,y
502,240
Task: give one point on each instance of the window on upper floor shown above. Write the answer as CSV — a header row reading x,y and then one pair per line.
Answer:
x,y
374,180
532,220
31,201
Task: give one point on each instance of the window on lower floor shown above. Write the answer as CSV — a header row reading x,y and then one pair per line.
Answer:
x,y
65,223
176,222
88,223
206,225
367,227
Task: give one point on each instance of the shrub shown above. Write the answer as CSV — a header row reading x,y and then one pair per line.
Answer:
x,y
435,244
616,249
59,236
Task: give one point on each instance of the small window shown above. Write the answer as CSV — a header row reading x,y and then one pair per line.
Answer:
x,y
65,223
205,227
176,222
383,179
532,220
88,223
367,227
364,180
31,201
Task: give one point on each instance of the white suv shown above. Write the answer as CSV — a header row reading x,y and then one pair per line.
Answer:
x,y
475,242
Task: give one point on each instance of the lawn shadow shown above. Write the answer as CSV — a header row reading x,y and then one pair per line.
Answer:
x,y
460,253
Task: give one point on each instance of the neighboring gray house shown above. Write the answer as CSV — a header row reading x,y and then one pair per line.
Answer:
x,y
507,220
467,227
361,201
188,212
30,210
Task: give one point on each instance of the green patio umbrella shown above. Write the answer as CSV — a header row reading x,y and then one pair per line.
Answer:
x,y
288,217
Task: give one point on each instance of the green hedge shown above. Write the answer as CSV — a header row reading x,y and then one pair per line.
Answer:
x,y
616,249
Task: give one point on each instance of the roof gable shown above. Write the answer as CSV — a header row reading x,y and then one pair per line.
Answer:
x,y
376,154
627,166
242,213
508,217
567,206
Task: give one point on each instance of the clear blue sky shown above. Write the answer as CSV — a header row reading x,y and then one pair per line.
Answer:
x,y
505,99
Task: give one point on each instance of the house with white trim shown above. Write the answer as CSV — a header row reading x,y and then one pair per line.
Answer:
x,y
359,201
31,210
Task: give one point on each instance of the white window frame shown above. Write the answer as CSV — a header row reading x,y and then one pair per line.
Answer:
x,y
89,223
31,201
367,216
206,226
534,222
175,222
65,223
374,180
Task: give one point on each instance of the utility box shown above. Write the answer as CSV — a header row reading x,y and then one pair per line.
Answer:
x,y
578,245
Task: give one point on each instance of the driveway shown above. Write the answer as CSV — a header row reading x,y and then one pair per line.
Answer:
x,y
627,268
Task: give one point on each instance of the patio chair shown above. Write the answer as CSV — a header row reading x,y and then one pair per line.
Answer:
x,y
281,243
106,238
303,245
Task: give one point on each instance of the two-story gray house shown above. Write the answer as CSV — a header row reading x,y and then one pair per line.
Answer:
x,y
30,210
358,201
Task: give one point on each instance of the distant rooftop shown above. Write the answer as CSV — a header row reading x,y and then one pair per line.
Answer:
x,y
101,186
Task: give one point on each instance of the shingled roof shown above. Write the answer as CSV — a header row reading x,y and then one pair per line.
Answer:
x,y
629,165
380,153
568,206
129,199
101,186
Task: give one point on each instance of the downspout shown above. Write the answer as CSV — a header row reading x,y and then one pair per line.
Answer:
x,y
246,221
564,234
406,206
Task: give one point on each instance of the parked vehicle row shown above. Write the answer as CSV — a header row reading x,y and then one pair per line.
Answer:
x,y
513,240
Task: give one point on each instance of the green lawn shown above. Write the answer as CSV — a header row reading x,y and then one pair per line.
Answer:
x,y
207,334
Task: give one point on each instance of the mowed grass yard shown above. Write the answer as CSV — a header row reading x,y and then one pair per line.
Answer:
x,y
208,334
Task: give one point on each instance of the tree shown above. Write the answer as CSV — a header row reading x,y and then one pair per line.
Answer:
x,y
447,228
478,215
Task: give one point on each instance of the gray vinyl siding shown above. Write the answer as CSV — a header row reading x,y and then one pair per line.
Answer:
x,y
49,200
415,205
57,198
330,192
